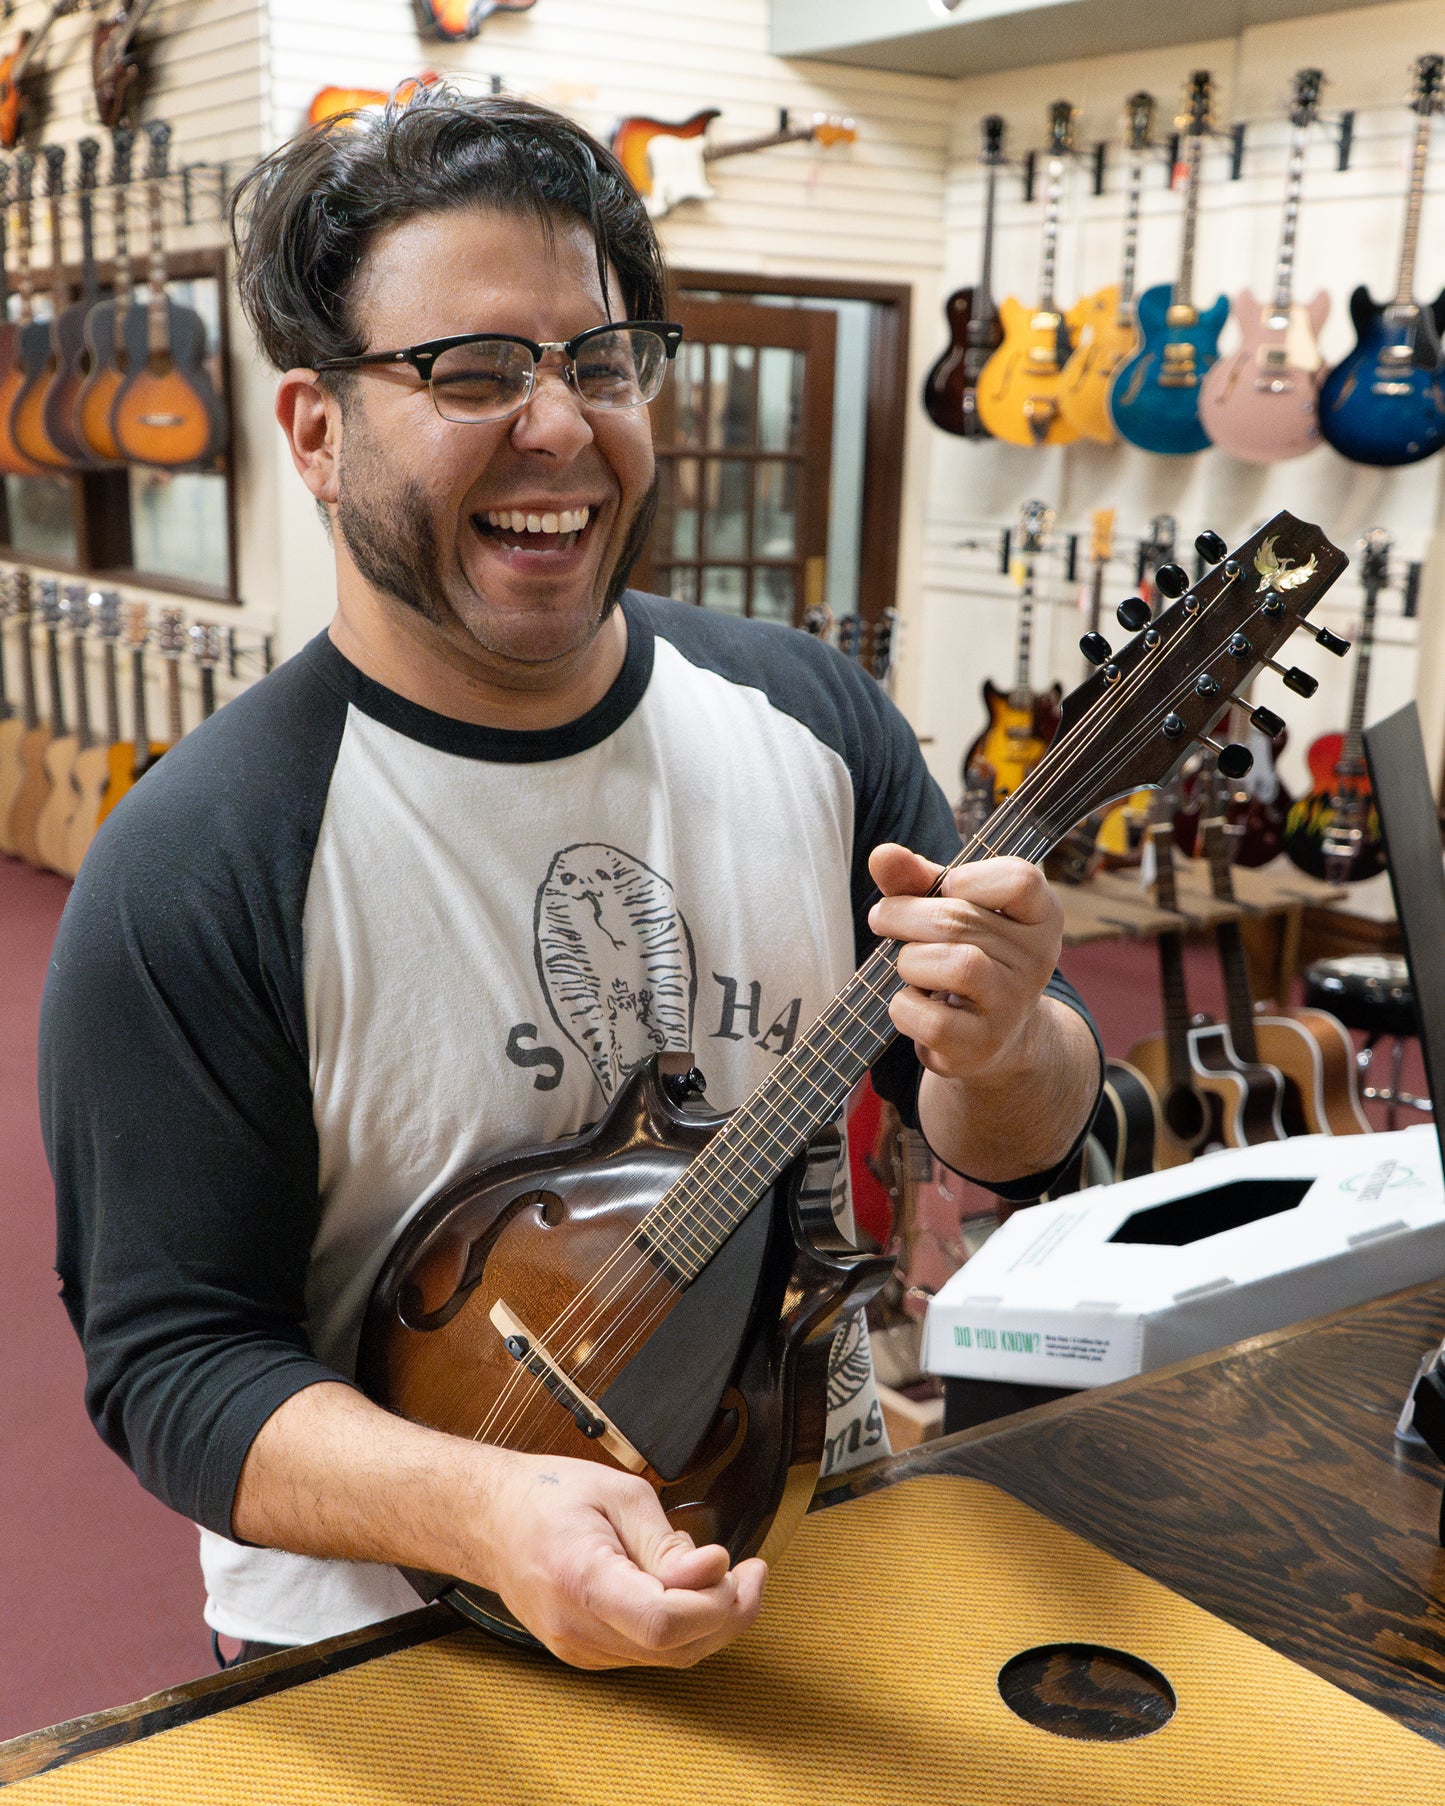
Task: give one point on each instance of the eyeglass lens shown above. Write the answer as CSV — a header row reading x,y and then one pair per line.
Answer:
x,y
488,379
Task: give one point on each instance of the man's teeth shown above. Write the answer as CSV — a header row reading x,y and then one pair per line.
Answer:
x,y
512,520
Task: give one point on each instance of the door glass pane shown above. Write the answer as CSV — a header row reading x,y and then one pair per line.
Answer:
x,y
41,521
178,523
780,397
775,523
681,583
678,519
725,587
688,372
775,593
732,398
728,492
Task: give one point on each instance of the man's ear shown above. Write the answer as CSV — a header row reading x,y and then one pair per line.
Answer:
x,y
311,421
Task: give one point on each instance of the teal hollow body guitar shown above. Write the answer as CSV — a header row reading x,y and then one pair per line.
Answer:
x,y
1385,404
1154,397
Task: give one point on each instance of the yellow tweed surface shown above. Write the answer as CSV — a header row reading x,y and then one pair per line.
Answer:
x,y
871,1677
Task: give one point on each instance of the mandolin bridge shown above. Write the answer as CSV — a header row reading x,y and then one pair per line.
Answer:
x,y
523,1347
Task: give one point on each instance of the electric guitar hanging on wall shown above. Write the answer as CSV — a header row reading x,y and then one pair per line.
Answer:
x,y
1018,388
1385,403
115,70
1334,832
1154,398
660,1292
1108,328
16,94
950,392
455,21
1021,721
1261,403
667,163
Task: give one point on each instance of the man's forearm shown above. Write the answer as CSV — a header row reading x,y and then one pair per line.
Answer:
x,y
1023,1115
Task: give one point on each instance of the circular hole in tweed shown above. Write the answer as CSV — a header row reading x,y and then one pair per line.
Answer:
x,y
1083,1690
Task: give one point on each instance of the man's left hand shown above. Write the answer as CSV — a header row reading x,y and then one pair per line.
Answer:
x,y
975,957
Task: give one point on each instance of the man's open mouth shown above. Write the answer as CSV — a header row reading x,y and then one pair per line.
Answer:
x,y
555,530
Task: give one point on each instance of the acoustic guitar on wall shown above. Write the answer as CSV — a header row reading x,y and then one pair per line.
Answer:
x,y
72,355
667,162
950,391
91,772
69,740
1018,389
16,719
13,461
104,337
39,345
1108,331
34,785
1154,397
130,761
166,410
1261,403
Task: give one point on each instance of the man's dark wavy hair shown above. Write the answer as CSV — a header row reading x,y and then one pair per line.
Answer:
x,y
302,219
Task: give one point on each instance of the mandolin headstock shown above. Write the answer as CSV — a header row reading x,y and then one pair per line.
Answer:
x,y
1131,724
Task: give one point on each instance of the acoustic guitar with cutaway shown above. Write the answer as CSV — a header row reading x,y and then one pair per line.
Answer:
x,y
1261,403
13,461
58,809
90,774
39,347
1108,331
1018,388
104,337
1311,1049
115,67
659,1292
16,720
1021,721
72,355
950,390
667,162
166,411
131,760
34,786
17,97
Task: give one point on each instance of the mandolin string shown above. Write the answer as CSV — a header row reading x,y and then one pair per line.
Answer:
x,y
750,1188
597,1304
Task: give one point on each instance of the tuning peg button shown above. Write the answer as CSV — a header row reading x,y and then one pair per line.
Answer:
x,y
1134,613
1235,761
1096,648
1171,580
1332,642
1210,547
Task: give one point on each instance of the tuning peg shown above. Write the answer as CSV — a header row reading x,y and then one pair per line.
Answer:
x,y
1268,723
1171,580
1210,547
1096,648
1294,679
1235,761
1134,612
1331,641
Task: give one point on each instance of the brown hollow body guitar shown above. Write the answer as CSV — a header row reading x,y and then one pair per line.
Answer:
x,y
659,1291
950,390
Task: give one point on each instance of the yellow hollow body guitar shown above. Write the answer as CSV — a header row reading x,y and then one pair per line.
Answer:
x,y
1107,331
1018,388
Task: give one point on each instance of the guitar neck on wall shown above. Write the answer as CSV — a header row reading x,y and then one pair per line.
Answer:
x,y
668,161
950,391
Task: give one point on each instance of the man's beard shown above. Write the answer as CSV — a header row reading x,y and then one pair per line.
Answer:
x,y
393,543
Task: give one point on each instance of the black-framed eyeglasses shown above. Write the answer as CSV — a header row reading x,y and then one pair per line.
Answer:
x,y
486,376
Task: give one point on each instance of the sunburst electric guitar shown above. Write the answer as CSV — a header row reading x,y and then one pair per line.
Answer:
x,y
659,1292
668,162
1108,330
1018,389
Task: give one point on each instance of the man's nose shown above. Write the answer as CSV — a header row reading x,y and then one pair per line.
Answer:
x,y
554,421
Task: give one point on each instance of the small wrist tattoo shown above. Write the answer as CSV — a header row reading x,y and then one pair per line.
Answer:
x,y
548,1480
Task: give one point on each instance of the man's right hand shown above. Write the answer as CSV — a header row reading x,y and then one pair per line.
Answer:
x,y
585,1558
581,1554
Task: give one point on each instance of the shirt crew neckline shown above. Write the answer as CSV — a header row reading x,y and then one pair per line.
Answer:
x,y
498,745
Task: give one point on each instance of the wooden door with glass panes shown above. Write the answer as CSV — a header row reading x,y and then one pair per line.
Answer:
x,y
743,432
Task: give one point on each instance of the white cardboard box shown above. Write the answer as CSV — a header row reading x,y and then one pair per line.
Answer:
x,y
1053,1299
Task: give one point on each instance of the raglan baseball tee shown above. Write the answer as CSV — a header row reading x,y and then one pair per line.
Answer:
x,y
336,950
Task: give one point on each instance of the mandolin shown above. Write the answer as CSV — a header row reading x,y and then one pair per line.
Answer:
x,y
166,410
16,96
1311,1049
131,760
660,1291
1108,329
1208,1096
15,722
91,772
1261,403
34,785
1385,402
667,162
104,341
13,461
950,391
115,70
1021,721
1334,832
1018,388
1154,397
54,820
72,355
39,346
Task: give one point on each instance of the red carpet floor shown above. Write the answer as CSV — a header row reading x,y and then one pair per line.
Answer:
x,y
100,1598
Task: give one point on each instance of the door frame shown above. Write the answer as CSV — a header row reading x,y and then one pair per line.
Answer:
x,y
886,412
